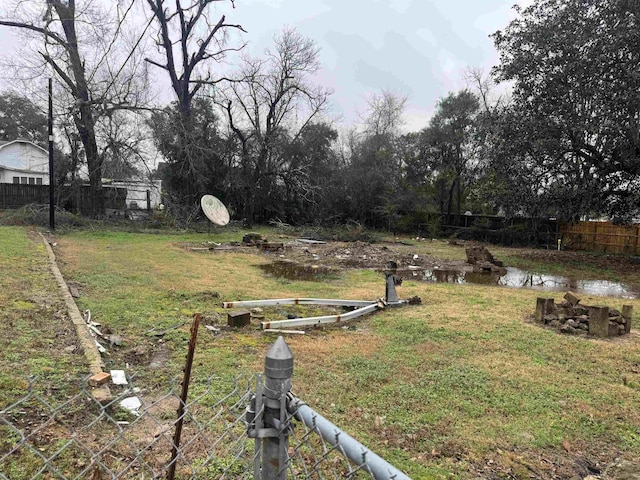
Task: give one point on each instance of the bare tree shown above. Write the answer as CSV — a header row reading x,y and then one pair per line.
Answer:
x,y
188,43
186,52
274,100
484,87
384,113
79,46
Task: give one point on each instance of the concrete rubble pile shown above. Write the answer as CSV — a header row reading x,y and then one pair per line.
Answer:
x,y
572,317
482,260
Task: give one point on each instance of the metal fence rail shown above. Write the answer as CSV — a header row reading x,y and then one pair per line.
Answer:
x,y
250,427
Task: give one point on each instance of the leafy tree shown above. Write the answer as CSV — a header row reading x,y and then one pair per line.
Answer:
x,y
576,104
450,149
311,179
21,118
374,165
206,170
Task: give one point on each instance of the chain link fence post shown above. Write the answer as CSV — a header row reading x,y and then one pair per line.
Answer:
x,y
278,370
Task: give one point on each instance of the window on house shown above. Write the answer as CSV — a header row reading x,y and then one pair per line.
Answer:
x,y
38,181
23,180
32,180
16,179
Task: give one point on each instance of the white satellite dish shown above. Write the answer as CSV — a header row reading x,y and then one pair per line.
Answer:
x,y
214,209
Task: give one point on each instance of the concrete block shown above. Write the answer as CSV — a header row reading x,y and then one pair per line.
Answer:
x,y
239,318
544,306
627,313
599,321
572,298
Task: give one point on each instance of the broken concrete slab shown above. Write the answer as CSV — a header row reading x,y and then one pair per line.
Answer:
x,y
118,377
132,404
572,298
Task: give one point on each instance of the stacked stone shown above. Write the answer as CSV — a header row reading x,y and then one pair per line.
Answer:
x,y
569,316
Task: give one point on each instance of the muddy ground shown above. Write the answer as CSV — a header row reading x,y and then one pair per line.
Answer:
x,y
336,256
341,255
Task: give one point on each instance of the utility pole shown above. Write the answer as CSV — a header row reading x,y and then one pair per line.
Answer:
x,y
52,212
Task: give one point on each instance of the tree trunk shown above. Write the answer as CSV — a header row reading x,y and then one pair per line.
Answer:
x,y
84,120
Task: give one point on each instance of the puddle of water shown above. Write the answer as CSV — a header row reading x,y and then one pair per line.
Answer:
x,y
297,271
516,278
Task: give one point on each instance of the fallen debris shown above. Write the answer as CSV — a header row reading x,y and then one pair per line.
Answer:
x,y
132,404
211,328
363,307
572,317
482,260
160,333
118,377
100,347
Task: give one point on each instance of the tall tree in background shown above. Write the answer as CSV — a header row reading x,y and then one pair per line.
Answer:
x,y
203,142
77,40
271,106
450,149
375,166
576,103
189,43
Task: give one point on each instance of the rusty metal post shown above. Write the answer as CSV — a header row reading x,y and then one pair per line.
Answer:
x,y
183,397
278,369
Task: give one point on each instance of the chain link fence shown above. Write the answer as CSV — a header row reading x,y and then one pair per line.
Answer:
x,y
249,427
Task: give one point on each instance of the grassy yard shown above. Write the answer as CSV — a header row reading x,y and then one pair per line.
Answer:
x,y
36,337
460,386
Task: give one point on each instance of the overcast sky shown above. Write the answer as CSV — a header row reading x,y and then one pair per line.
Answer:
x,y
419,48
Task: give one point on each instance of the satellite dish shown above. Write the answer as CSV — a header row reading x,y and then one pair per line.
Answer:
x,y
214,209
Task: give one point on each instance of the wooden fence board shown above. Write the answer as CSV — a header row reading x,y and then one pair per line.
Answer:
x,y
601,236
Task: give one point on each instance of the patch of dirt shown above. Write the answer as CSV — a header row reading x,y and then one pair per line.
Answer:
x,y
340,255
571,463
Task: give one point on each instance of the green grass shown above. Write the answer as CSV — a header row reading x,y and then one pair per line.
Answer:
x,y
442,389
33,331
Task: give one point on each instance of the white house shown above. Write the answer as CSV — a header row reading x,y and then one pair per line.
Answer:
x,y
23,162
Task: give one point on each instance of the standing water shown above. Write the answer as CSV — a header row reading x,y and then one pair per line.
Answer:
x,y
516,278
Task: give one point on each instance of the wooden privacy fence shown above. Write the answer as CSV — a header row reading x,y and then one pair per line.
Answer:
x,y
16,195
604,236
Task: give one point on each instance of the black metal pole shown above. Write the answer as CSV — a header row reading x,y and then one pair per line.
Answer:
x,y
52,213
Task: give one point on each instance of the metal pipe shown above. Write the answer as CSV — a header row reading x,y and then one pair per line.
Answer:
x,y
309,321
354,450
171,473
298,301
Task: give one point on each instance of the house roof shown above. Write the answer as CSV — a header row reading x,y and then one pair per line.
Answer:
x,y
23,170
4,144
